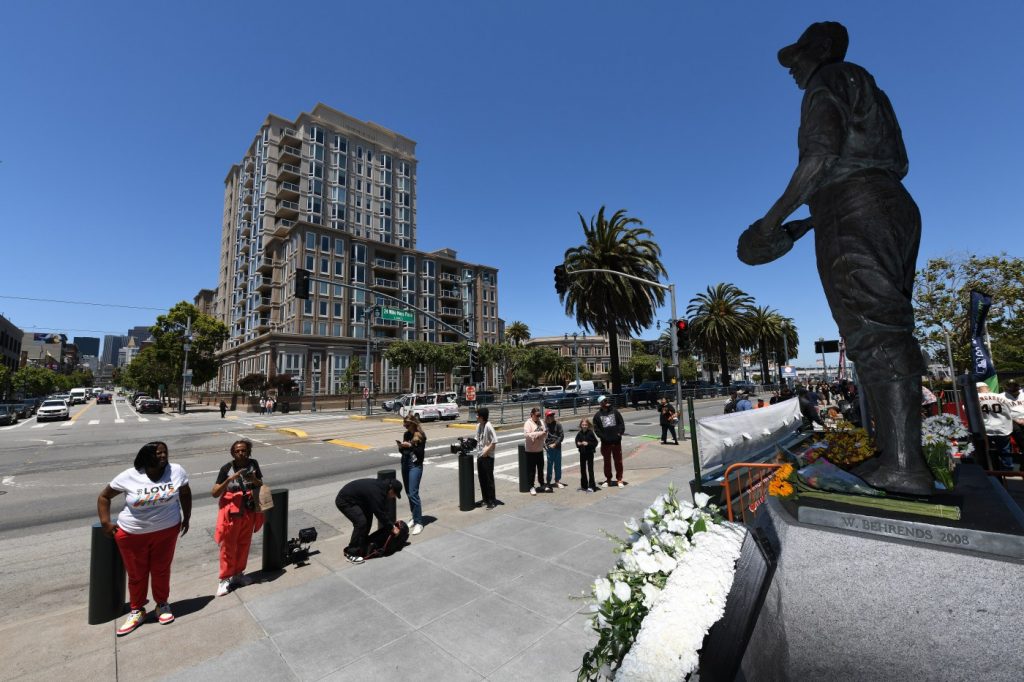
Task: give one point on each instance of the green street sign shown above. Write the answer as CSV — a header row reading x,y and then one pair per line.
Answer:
x,y
397,315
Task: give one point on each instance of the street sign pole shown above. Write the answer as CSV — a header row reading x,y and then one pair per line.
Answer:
x,y
184,370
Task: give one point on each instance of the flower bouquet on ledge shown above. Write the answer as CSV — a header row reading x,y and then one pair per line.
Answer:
x,y
669,586
944,439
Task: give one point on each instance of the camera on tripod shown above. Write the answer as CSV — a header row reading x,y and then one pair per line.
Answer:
x,y
463,446
297,551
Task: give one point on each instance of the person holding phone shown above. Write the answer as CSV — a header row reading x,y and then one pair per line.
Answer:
x,y
411,446
238,517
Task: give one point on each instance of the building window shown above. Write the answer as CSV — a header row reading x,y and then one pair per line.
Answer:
x,y
310,240
307,327
307,307
337,309
322,329
309,262
316,134
323,308
339,268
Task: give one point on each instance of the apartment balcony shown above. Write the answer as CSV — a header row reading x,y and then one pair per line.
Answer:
x,y
290,135
286,209
246,211
378,322
247,197
264,304
385,264
265,265
265,284
287,170
384,283
450,294
247,180
288,154
244,230
448,277
263,324
287,190
249,164
450,312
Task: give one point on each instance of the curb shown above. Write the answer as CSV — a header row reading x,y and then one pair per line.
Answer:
x,y
293,432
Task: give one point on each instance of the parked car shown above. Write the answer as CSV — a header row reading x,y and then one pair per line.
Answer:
x,y
593,397
53,409
429,407
104,399
7,416
150,405
137,402
531,395
20,410
650,392
748,387
395,404
79,396
563,400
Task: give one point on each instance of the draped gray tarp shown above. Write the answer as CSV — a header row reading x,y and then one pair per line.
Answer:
x,y
724,439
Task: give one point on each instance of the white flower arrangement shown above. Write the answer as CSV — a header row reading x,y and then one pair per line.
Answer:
x,y
667,646
670,535
944,439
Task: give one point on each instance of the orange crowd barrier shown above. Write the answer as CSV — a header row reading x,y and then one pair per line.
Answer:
x,y
751,481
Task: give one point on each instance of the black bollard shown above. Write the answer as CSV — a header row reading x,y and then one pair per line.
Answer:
x,y
275,532
383,475
467,486
525,476
106,578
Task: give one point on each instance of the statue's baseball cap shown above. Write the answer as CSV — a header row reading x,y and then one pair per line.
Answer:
x,y
822,30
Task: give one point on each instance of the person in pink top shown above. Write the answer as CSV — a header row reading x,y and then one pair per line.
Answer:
x,y
535,432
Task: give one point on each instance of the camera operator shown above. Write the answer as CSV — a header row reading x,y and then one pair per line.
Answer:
x,y
486,443
361,500
237,518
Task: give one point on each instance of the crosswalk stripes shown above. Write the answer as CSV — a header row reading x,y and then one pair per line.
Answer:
x,y
93,422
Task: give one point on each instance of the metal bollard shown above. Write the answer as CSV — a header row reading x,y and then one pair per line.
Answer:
x,y
467,486
275,532
106,578
392,505
525,476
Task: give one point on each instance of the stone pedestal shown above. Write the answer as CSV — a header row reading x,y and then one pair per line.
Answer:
x,y
849,604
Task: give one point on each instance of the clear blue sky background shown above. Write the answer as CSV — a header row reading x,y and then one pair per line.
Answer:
x,y
121,119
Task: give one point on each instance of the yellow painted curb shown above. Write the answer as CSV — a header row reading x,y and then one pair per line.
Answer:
x,y
471,427
348,444
233,416
357,416
259,426
294,432
392,420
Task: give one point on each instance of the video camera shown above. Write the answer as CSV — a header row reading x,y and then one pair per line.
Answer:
x,y
463,446
297,551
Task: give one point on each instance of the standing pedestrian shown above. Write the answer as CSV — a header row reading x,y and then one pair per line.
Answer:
x,y
996,412
486,444
668,418
263,405
586,444
158,506
553,438
609,427
223,409
362,500
535,434
411,446
271,405
237,488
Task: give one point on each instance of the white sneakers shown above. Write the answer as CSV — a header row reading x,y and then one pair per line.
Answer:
x,y
533,491
164,615
223,587
134,620
416,529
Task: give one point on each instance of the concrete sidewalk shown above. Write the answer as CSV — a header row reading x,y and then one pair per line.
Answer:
x,y
478,595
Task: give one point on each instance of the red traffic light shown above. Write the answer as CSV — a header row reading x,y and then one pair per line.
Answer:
x,y
681,325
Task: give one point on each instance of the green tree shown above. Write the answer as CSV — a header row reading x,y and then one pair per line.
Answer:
x,y
253,383
208,335
148,371
33,380
5,380
942,291
351,377
688,370
643,367
766,332
604,301
517,333
719,322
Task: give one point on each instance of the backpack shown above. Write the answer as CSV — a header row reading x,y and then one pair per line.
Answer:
x,y
382,543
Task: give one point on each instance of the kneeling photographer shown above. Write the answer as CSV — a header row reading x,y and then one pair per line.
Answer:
x,y
360,501
238,517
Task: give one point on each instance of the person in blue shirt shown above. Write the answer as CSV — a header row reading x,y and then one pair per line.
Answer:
x,y
743,402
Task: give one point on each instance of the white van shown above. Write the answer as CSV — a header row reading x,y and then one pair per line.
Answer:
x,y
584,386
547,390
79,396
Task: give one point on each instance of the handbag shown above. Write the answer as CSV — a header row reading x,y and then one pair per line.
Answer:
x,y
264,498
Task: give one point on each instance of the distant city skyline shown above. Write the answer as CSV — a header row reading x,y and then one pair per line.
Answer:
x,y
689,124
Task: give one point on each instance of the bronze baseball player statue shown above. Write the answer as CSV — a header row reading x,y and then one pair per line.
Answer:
x,y
867,232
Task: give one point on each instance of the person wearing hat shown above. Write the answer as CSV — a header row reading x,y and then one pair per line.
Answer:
x,y
360,501
997,414
609,427
867,232
555,434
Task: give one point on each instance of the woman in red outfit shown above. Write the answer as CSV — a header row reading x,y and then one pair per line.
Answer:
x,y
237,487
158,505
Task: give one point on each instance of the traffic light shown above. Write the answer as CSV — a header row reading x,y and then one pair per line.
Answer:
x,y
561,280
477,376
680,333
472,359
301,283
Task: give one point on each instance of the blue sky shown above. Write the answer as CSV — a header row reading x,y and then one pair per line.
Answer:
x,y
121,120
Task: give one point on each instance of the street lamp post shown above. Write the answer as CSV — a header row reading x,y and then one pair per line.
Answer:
x,y
370,312
576,355
184,370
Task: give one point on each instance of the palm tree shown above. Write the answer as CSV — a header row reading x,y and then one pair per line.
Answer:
x,y
719,322
788,343
765,331
603,301
517,333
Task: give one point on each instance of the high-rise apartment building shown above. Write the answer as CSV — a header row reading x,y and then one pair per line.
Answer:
x,y
337,197
111,345
88,345
10,345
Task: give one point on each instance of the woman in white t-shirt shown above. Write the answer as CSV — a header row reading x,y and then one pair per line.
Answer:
x,y
158,505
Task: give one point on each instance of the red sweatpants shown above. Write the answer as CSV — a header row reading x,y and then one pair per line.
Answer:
x,y
147,558
610,452
235,536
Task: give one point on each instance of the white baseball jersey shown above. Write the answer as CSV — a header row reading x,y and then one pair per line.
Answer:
x,y
996,410
1016,406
